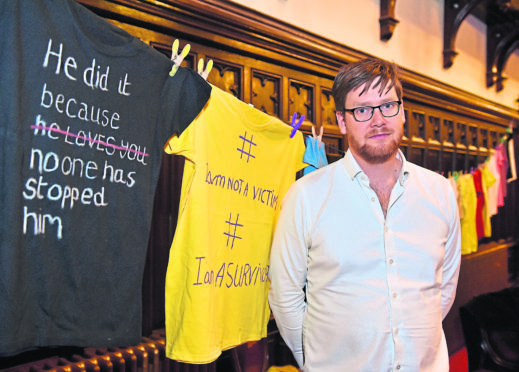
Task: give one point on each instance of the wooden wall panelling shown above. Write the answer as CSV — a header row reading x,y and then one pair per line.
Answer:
x,y
448,132
227,76
327,106
336,143
416,143
433,130
301,99
448,153
483,141
473,137
460,135
493,139
405,138
445,142
472,148
266,92
434,149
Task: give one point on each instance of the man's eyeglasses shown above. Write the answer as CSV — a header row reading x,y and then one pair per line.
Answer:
x,y
365,113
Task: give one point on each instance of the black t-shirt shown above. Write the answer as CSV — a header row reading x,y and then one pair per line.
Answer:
x,y
85,110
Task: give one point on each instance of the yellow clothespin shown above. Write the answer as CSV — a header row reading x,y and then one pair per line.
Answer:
x,y
204,73
176,58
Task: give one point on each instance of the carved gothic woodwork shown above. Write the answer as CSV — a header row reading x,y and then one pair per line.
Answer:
x,y
418,127
406,125
433,130
483,135
461,137
448,157
433,152
502,40
433,158
328,117
335,147
445,142
454,12
387,19
266,93
301,100
493,139
448,133
473,137
227,77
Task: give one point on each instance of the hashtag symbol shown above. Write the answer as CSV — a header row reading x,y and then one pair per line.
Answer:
x,y
242,150
232,236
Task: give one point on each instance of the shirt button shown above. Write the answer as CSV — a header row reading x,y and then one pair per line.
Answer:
x,y
394,295
372,199
391,261
398,367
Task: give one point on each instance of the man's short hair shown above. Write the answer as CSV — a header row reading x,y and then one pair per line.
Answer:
x,y
365,72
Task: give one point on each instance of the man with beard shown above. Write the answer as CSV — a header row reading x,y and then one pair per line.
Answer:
x,y
366,254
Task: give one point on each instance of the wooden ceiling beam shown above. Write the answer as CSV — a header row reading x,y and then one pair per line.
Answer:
x,y
454,13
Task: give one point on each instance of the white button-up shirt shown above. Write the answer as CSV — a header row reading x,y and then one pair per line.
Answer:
x,y
377,289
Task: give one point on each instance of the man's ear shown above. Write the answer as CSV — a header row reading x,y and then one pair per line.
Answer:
x,y
340,121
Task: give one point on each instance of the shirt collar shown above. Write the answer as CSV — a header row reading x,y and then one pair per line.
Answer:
x,y
351,165
404,173
353,169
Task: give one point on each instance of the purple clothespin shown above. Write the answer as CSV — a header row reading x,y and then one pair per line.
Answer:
x,y
295,126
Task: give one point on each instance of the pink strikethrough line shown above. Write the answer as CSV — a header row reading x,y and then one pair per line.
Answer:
x,y
87,139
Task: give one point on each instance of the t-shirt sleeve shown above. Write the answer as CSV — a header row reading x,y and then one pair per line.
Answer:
x,y
184,96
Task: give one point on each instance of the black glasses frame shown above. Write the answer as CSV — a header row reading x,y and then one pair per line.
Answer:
x,y
399,102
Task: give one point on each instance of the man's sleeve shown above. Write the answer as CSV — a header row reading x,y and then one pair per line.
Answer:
x,y
288,264
452,260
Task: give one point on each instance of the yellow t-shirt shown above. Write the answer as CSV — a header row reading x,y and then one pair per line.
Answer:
x,y
239,164
467,190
